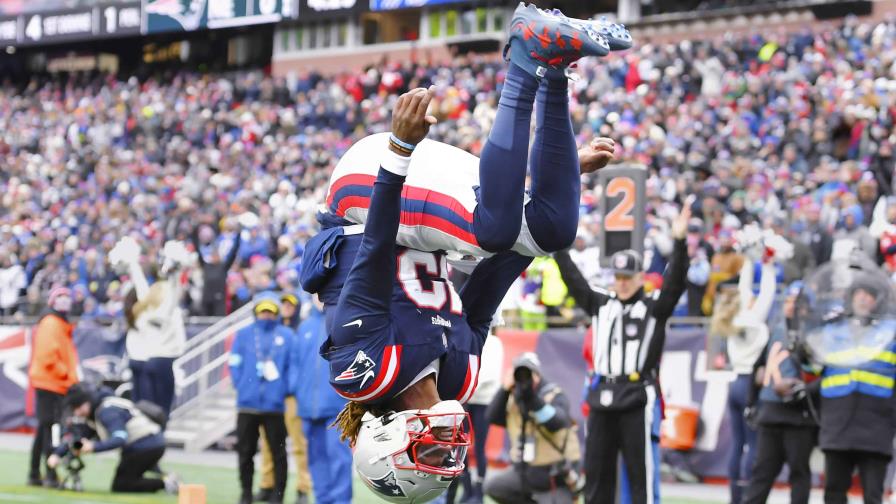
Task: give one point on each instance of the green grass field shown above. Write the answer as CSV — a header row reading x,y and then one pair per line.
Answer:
x,y
221,485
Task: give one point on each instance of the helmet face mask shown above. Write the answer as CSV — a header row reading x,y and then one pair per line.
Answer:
x,y
438,443
413,456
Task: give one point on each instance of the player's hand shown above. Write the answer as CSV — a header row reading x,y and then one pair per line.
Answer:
x,y
410,123
680,224
86,446
596,155
53,461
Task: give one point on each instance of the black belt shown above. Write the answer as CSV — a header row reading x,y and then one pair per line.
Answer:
x,y
629,378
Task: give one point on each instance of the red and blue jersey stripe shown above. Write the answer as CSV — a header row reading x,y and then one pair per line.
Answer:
x,y
419,207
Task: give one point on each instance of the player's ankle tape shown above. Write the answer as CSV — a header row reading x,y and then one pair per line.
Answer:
x,y
395,163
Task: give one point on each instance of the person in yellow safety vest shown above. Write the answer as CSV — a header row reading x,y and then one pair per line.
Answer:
x,y
858,413
544,450
553,291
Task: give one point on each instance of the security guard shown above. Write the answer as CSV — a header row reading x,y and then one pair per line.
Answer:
x,y
787,426
259,368
628,329
545,448
858,413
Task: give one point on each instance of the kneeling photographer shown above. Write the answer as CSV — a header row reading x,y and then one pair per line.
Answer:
x,y
544,446
119,424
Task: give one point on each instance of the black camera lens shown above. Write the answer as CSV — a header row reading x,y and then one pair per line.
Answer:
x,y
522,375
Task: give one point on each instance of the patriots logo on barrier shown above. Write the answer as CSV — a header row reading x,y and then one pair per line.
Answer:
x,y
362,366
387,485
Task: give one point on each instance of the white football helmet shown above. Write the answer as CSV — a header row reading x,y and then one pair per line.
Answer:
x,y
413,456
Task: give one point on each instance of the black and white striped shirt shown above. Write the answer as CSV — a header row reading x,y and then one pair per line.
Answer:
x,y
628,336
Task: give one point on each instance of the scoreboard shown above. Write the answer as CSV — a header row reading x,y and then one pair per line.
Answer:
x,y
46,23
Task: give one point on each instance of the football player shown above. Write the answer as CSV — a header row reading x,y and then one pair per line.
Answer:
x,y
403,345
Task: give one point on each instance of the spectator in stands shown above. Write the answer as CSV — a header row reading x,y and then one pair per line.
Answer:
x,y
53,370
744,350
817,235
119,424
726,263
853,230
259,369
330,460
12,282
289,316
544,447
213,302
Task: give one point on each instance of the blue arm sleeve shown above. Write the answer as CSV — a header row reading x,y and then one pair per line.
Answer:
x,y
115,421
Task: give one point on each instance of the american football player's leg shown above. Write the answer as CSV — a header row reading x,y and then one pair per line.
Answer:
x,y
552,214
502,167
367,292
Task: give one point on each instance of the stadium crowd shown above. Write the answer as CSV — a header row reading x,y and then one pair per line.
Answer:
x,y
792,132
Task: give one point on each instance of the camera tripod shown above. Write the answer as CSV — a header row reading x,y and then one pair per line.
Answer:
x,y
72,481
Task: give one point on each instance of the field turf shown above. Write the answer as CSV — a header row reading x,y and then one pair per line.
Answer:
x,y
221,485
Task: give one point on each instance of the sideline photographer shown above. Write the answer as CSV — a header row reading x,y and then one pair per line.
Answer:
x,y
119,424
544,446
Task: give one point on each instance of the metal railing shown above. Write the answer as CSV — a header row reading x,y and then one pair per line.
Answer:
x,y
202,367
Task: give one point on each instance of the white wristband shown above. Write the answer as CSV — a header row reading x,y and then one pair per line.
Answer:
x,y
395,163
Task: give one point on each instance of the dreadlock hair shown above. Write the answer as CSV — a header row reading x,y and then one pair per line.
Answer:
x,y
349,420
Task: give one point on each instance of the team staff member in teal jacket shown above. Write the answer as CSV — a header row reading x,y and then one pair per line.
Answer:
x,y
259,367
858,410
329,459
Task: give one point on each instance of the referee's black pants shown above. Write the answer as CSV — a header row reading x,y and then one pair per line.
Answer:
x,y
247,432
838,467
610,433
776,445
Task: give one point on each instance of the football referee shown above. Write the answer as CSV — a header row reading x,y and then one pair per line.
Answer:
x,y
629,330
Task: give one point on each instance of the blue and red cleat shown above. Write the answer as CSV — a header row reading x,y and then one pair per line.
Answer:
x,y
544,43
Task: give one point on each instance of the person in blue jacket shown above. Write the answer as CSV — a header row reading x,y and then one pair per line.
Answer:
x,y
329,459
259,368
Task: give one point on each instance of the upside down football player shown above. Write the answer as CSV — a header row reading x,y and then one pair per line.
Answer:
x,y
400,338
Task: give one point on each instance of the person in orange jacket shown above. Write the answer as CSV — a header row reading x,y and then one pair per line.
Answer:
x,y
54,368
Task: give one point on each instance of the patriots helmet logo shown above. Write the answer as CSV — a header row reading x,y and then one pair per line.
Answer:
x,y
362,366
387,485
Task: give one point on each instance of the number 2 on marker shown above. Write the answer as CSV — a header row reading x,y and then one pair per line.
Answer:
x,y
620,217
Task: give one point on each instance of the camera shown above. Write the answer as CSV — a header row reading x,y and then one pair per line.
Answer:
x,y
522,376
74,430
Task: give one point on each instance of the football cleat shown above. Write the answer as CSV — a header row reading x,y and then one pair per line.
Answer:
x,y
545,42
617,36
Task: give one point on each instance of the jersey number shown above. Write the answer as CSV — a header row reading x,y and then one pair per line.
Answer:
x,y
620,217
441,291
